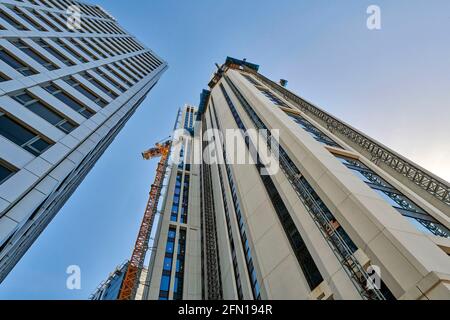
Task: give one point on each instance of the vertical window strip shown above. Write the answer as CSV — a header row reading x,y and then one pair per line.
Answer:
x,y
304,258
179,271
164,287
237,277
185,201
176,198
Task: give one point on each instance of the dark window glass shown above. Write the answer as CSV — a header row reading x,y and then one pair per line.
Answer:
x,y
304,258
99,85
55,53
34,54
13,131
15,63
170,246
69,101
317,134
110,80
165,283
11,21
21,136
80,88
37,107
3,77
71,51
29,20
167,264
5,172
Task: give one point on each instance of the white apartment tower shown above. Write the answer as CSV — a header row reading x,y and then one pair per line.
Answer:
x,y
345,217
70,78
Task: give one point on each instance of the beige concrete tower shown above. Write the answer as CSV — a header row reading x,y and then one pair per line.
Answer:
x,y
344,217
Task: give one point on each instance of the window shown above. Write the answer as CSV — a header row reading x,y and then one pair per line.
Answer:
x,y
53,52
164,287
237,209
128,74
23,137
59,19
181,160
110,80
93,48
99,85
83,49
28,19
412,212
45,20
69,101
165,283
167,264
34,54
179,275
176,199
129,83
16,64
251,80
304,258
38,108
87,93
185,202
102,46
318,135
6,171
273,97
3,77
264,91
12,21
71,51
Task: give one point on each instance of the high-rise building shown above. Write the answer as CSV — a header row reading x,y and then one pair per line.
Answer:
x,y
70,78
110,288
344,217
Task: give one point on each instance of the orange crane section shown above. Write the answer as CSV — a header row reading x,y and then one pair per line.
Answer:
x,y
136,264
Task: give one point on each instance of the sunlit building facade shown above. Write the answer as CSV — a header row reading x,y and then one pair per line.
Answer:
x,y
66,91
344,217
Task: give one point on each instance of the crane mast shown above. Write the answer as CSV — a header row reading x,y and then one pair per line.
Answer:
x,y
136,264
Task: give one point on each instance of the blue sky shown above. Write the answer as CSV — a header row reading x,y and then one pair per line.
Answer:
x,y
391,83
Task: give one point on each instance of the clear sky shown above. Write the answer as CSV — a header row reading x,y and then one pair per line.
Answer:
x,y
393,84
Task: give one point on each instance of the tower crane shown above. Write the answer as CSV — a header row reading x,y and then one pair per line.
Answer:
x,y
136,264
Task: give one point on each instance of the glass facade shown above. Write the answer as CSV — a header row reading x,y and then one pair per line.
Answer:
x,y
176,198
164,287
185,202
179,269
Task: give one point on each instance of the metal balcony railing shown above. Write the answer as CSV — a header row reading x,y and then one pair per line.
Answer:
x,y
432,184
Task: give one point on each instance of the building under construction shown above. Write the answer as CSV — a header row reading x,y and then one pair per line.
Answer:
x,y
345,217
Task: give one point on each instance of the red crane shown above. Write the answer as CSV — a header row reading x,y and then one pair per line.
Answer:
x,y
136,264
